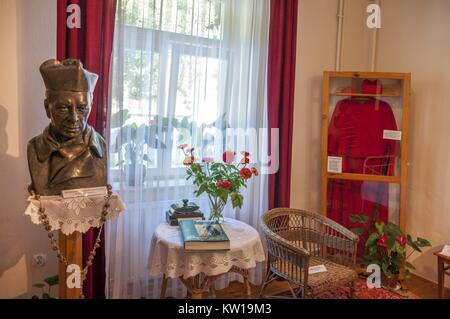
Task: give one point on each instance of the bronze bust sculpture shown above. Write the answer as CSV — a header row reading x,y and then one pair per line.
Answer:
x,y
69,154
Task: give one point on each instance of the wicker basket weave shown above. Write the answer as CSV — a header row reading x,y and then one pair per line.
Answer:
x,y
297,239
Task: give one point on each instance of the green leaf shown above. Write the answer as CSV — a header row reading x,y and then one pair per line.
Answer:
x,y
412,244
237,200
386,271
52,281
405,272
380,227
390,241
394,230
409,265
360,219
409,240
400,249
372,239
421,242
39,285
201,189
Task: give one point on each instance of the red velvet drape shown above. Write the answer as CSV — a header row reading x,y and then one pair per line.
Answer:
x,y
281,81
92,43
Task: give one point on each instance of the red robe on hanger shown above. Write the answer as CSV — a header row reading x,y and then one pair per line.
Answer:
x,y
356,134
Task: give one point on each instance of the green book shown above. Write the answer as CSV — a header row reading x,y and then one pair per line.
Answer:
x,y
203,236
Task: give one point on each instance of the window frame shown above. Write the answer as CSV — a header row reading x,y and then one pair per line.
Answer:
x,y
178,45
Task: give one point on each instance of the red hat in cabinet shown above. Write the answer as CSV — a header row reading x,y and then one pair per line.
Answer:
x,y
371,86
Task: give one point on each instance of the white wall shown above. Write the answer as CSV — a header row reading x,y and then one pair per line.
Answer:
x,y
415,37
27,37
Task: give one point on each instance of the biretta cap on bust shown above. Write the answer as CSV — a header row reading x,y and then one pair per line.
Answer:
x,y
68,75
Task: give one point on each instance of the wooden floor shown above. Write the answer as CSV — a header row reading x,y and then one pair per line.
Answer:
x,y
416,287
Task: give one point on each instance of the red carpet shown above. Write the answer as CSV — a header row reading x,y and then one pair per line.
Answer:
x,y
361,292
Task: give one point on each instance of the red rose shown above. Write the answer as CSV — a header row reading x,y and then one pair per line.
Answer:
x,y
228,157
255,171
246,173
401,240
223,184
382,241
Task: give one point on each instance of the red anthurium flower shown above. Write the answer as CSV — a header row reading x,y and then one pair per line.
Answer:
x,y
228,157
255,171
245,160
188,160
382,241
223,184
401,240
246,173
245,154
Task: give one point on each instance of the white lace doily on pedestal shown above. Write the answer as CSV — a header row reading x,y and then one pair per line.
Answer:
x,y
74,214
169,257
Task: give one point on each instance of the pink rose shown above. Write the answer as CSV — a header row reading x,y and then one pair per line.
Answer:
x,y
208,160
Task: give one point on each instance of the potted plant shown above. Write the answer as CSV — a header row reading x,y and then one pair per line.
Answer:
x,y
386,247
47,287
219,180
134,141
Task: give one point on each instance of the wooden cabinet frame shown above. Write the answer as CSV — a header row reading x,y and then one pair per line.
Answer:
x,y
402,178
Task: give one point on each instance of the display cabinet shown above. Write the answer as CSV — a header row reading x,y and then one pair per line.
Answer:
x,y
365,146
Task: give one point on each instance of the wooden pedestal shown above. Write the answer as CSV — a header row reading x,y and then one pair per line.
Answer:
x,y
71,247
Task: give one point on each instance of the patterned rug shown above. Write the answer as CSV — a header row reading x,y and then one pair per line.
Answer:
x,y
361,292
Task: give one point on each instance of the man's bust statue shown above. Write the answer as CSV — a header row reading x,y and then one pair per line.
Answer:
x,y
69,154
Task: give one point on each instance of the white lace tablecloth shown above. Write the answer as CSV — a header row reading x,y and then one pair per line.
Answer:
x,y
167,254
74,214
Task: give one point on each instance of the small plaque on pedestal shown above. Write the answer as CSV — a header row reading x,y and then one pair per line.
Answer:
x,y
83,192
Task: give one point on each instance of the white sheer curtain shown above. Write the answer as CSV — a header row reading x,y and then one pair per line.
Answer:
x,y
184,71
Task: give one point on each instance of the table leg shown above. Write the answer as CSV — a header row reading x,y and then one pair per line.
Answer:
x,y
248,287
195,286
245,274
441,278
211,287
163,287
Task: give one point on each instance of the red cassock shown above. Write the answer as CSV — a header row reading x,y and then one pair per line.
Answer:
x,y
356,134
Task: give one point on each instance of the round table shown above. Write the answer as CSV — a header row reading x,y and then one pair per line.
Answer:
x,y
198,270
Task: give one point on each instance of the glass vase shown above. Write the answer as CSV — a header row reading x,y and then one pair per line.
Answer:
x,y
216,206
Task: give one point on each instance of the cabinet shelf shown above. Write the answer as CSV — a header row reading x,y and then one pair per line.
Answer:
x,y
366,95
365,177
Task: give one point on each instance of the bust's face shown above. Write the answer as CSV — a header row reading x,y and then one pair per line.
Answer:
x,y
68,112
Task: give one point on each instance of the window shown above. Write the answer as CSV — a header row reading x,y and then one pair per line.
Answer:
x,y
165,84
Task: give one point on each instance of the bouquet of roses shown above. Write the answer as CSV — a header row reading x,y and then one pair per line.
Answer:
x,y
219,180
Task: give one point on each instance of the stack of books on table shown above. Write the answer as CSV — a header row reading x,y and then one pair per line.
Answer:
x,y
203,236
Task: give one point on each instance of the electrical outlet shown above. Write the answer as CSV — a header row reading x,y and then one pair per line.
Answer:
x,y
40,260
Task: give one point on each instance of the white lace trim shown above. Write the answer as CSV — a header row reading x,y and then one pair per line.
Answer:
x,y
168,256
74,214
